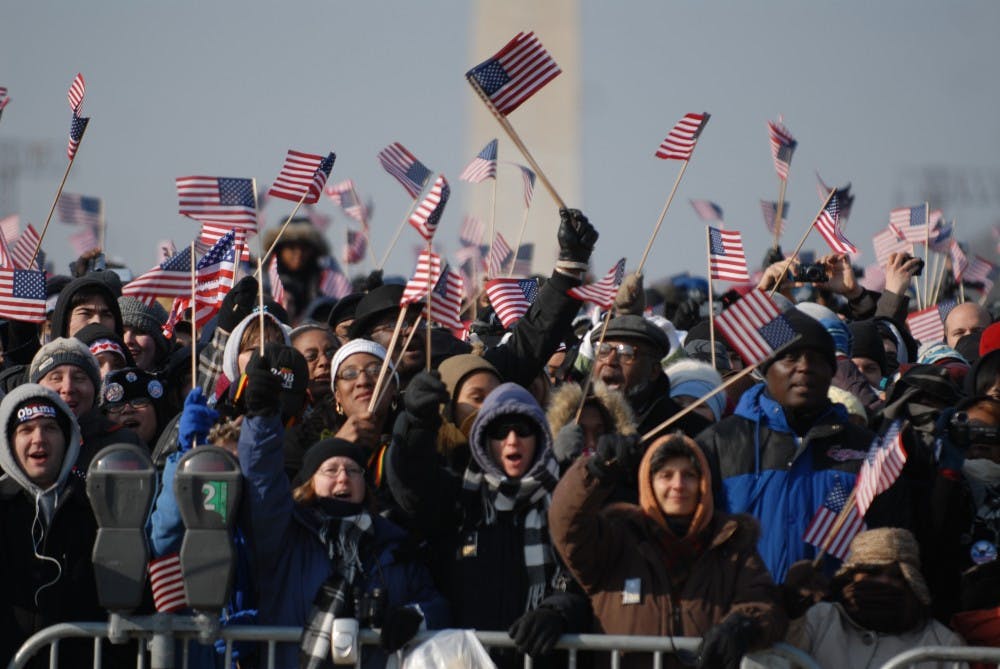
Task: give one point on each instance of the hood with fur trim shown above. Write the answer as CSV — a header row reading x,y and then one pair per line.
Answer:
x,y
564,401
231,355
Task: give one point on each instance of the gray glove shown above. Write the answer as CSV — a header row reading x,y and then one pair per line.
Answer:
x,y
568,443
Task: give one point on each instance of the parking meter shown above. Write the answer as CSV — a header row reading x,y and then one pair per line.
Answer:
x,y
208,486
121,486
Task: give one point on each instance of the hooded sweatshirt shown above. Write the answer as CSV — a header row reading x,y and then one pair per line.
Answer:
x,y
91,282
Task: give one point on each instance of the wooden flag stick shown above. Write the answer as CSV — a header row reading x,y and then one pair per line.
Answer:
x,y
364,222
927,247
778,212
399,358
517,247
795,253
839,523
711,308
399,231
430,291
514,137
659,221
281,230
260,303
493,216
698,402
940,269
194,322
103,225
385,362
52,209
590,375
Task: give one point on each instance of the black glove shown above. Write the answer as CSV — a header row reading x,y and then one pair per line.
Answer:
x,y
399,626
804,586
262,393
725,644
536,632
617,456
424,396
292,370
576,236
238,303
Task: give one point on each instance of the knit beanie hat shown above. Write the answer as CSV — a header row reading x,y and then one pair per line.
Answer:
x,y
868,344
887,546
322,451
65,351
100,339
38,407
693,379
842,338
146,318
349,349
122,385
812,336
455,369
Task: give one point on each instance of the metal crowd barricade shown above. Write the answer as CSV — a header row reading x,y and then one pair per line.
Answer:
x,y
956,653
156,636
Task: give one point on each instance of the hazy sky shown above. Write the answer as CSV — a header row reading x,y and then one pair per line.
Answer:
x,y
873,91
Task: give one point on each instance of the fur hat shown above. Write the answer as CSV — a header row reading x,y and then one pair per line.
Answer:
x,y
148,319
299,230
887,546
65,351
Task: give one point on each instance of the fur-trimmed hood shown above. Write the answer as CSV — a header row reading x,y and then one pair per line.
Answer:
x,y
564,401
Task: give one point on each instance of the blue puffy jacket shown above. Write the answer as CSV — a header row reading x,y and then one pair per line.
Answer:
x,y
290,561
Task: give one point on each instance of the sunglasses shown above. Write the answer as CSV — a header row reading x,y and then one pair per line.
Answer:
x,y
500,428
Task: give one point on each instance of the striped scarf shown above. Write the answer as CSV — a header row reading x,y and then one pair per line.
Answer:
x,y
532,492
345,539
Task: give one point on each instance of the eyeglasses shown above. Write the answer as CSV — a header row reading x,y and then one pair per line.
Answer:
x,y
351,373
136,403
387,328
626,352
351,470
312,355
500,428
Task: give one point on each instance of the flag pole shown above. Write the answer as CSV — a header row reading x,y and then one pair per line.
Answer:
x,y
430,289
711,309
590,375
927,247
698,402
260,230
399,358
364,222
520,237
385,361
281,230
493,216
399,231
194,322
659,221
778,212
514,137
845,511
260,303
52,209
795,253
102,222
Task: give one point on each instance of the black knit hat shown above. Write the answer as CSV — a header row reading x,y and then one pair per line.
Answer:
x,y
868,344
812,336
38,407
322,451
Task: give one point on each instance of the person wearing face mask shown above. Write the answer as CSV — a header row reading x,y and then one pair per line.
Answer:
x,y
879,608
320,549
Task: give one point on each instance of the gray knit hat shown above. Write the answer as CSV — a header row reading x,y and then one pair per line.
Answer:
x,y
65,351
146,318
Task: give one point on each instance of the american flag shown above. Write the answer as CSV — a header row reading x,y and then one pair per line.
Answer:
x,y
409,172
332,280
426,216
24,247
707,210
22,294
845,197
472,231
171,278
927,325
680,141
602,293
514,73
782,147
525,254
882,466
874,278
499,256
214,276
302,177
941,236
511,298
84,240
446,299
909,223
4,99
76,129
77,90
425,276
357,245
483,166
887,242
223,200
727,261
826,518
754,327
346,197
529,184
6,260
979,271
770,211
211,233
959,261
274,279
79,209
828,225
167,583
10,226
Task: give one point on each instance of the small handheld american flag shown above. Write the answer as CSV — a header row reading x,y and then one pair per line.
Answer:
x,y
782,147
727,261
754,327
427,215
682,138
602,293
514,73
882,466
511,298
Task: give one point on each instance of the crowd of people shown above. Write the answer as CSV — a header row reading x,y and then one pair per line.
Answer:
x,y
521,479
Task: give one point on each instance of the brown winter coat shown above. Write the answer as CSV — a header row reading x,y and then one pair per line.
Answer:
x,y
686,586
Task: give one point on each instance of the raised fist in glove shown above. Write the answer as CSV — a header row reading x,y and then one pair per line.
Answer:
x,y
424,396
804,586
631,298
399,626
576,236
238,303
536,632
196,420
262,392
617,457
724,645
285,391
568,443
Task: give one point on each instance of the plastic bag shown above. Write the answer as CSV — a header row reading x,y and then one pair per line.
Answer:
x,y
449,649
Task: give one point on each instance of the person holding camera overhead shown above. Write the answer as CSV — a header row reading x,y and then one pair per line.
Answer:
x,y
321,551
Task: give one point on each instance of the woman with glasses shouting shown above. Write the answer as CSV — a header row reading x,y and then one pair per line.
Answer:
x,y
133,399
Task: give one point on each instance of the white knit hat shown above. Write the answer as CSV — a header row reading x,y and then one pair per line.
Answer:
x,y
352,347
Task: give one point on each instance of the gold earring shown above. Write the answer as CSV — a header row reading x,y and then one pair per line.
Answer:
x,y
339,409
